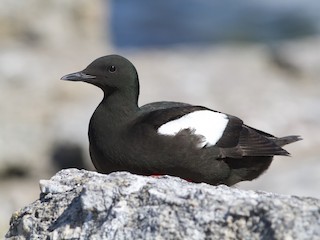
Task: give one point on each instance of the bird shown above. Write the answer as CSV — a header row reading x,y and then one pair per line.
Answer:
x,y
192,142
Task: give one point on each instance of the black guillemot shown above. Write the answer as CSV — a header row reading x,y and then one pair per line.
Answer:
x,y
170,138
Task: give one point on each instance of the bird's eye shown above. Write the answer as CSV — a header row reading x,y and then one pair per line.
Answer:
x,y
112,68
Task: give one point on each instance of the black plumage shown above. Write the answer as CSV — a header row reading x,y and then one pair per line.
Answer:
x,y
125,137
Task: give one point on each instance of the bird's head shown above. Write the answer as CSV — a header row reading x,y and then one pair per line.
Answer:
x,y
110,73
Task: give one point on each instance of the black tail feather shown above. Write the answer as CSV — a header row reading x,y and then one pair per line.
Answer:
x,y
287,140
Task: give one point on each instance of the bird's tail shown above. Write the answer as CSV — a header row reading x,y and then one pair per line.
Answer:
x,y
287,140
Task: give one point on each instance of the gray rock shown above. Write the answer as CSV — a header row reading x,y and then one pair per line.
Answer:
x,y
78,204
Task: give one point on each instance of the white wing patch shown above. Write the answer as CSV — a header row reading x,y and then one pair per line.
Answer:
x,y
209,124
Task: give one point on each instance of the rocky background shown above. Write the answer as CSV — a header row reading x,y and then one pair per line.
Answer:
x,y
83,204
43,121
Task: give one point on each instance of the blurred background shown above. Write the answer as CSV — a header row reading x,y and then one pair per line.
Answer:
x,y
259,61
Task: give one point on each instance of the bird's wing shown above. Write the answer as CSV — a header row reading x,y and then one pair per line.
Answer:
x,y
214,129
254,143
157,114
162,105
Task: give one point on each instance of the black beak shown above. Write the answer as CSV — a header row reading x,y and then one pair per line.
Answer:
x,y
78,76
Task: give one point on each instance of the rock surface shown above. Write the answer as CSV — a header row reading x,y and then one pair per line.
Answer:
x,y
81,204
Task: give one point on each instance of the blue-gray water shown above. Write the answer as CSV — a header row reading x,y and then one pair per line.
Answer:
x,y
145,23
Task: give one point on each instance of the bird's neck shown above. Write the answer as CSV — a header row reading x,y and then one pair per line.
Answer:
x,y
116,108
